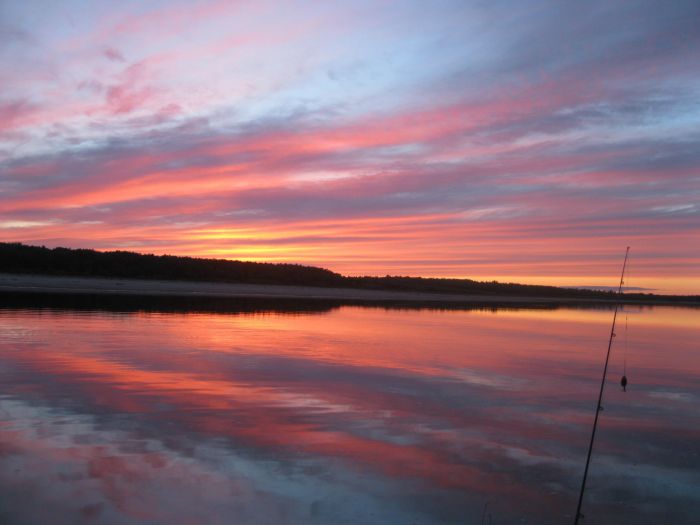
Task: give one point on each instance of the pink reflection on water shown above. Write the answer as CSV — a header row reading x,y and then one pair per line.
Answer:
x,y
460,407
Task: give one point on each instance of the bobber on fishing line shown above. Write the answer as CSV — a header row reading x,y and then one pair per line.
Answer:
x,y
623,381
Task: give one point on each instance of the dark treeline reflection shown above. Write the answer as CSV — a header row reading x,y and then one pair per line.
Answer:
x,y
169,304
233,305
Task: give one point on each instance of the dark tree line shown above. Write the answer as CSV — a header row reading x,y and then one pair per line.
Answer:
x,y
21,258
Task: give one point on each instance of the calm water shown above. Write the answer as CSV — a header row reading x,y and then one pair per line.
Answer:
x,y
348,415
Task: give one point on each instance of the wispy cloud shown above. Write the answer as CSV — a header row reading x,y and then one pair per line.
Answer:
x,y
559,134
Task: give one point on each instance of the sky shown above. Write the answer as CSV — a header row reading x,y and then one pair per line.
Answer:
x,y
517,141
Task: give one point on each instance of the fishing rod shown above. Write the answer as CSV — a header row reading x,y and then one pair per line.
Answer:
x,y
600,395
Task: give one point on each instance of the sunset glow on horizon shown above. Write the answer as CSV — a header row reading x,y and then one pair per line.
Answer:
x,y
521,142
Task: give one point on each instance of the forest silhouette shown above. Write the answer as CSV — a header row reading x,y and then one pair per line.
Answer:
x,y
26,259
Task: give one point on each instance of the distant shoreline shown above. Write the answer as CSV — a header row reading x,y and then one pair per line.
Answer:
x,y
67,285
121,273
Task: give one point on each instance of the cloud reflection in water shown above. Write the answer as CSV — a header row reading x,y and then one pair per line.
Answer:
x,y
352,415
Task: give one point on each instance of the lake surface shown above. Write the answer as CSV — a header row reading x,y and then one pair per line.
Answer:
x,y
347,415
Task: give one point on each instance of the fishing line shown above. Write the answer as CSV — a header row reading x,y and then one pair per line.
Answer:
x,y
623,379
624,363
624,353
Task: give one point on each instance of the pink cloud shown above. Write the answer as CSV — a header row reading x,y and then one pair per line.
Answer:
x,y
113,54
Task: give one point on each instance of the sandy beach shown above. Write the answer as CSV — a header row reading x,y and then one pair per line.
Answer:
x,y
88,285
61,285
